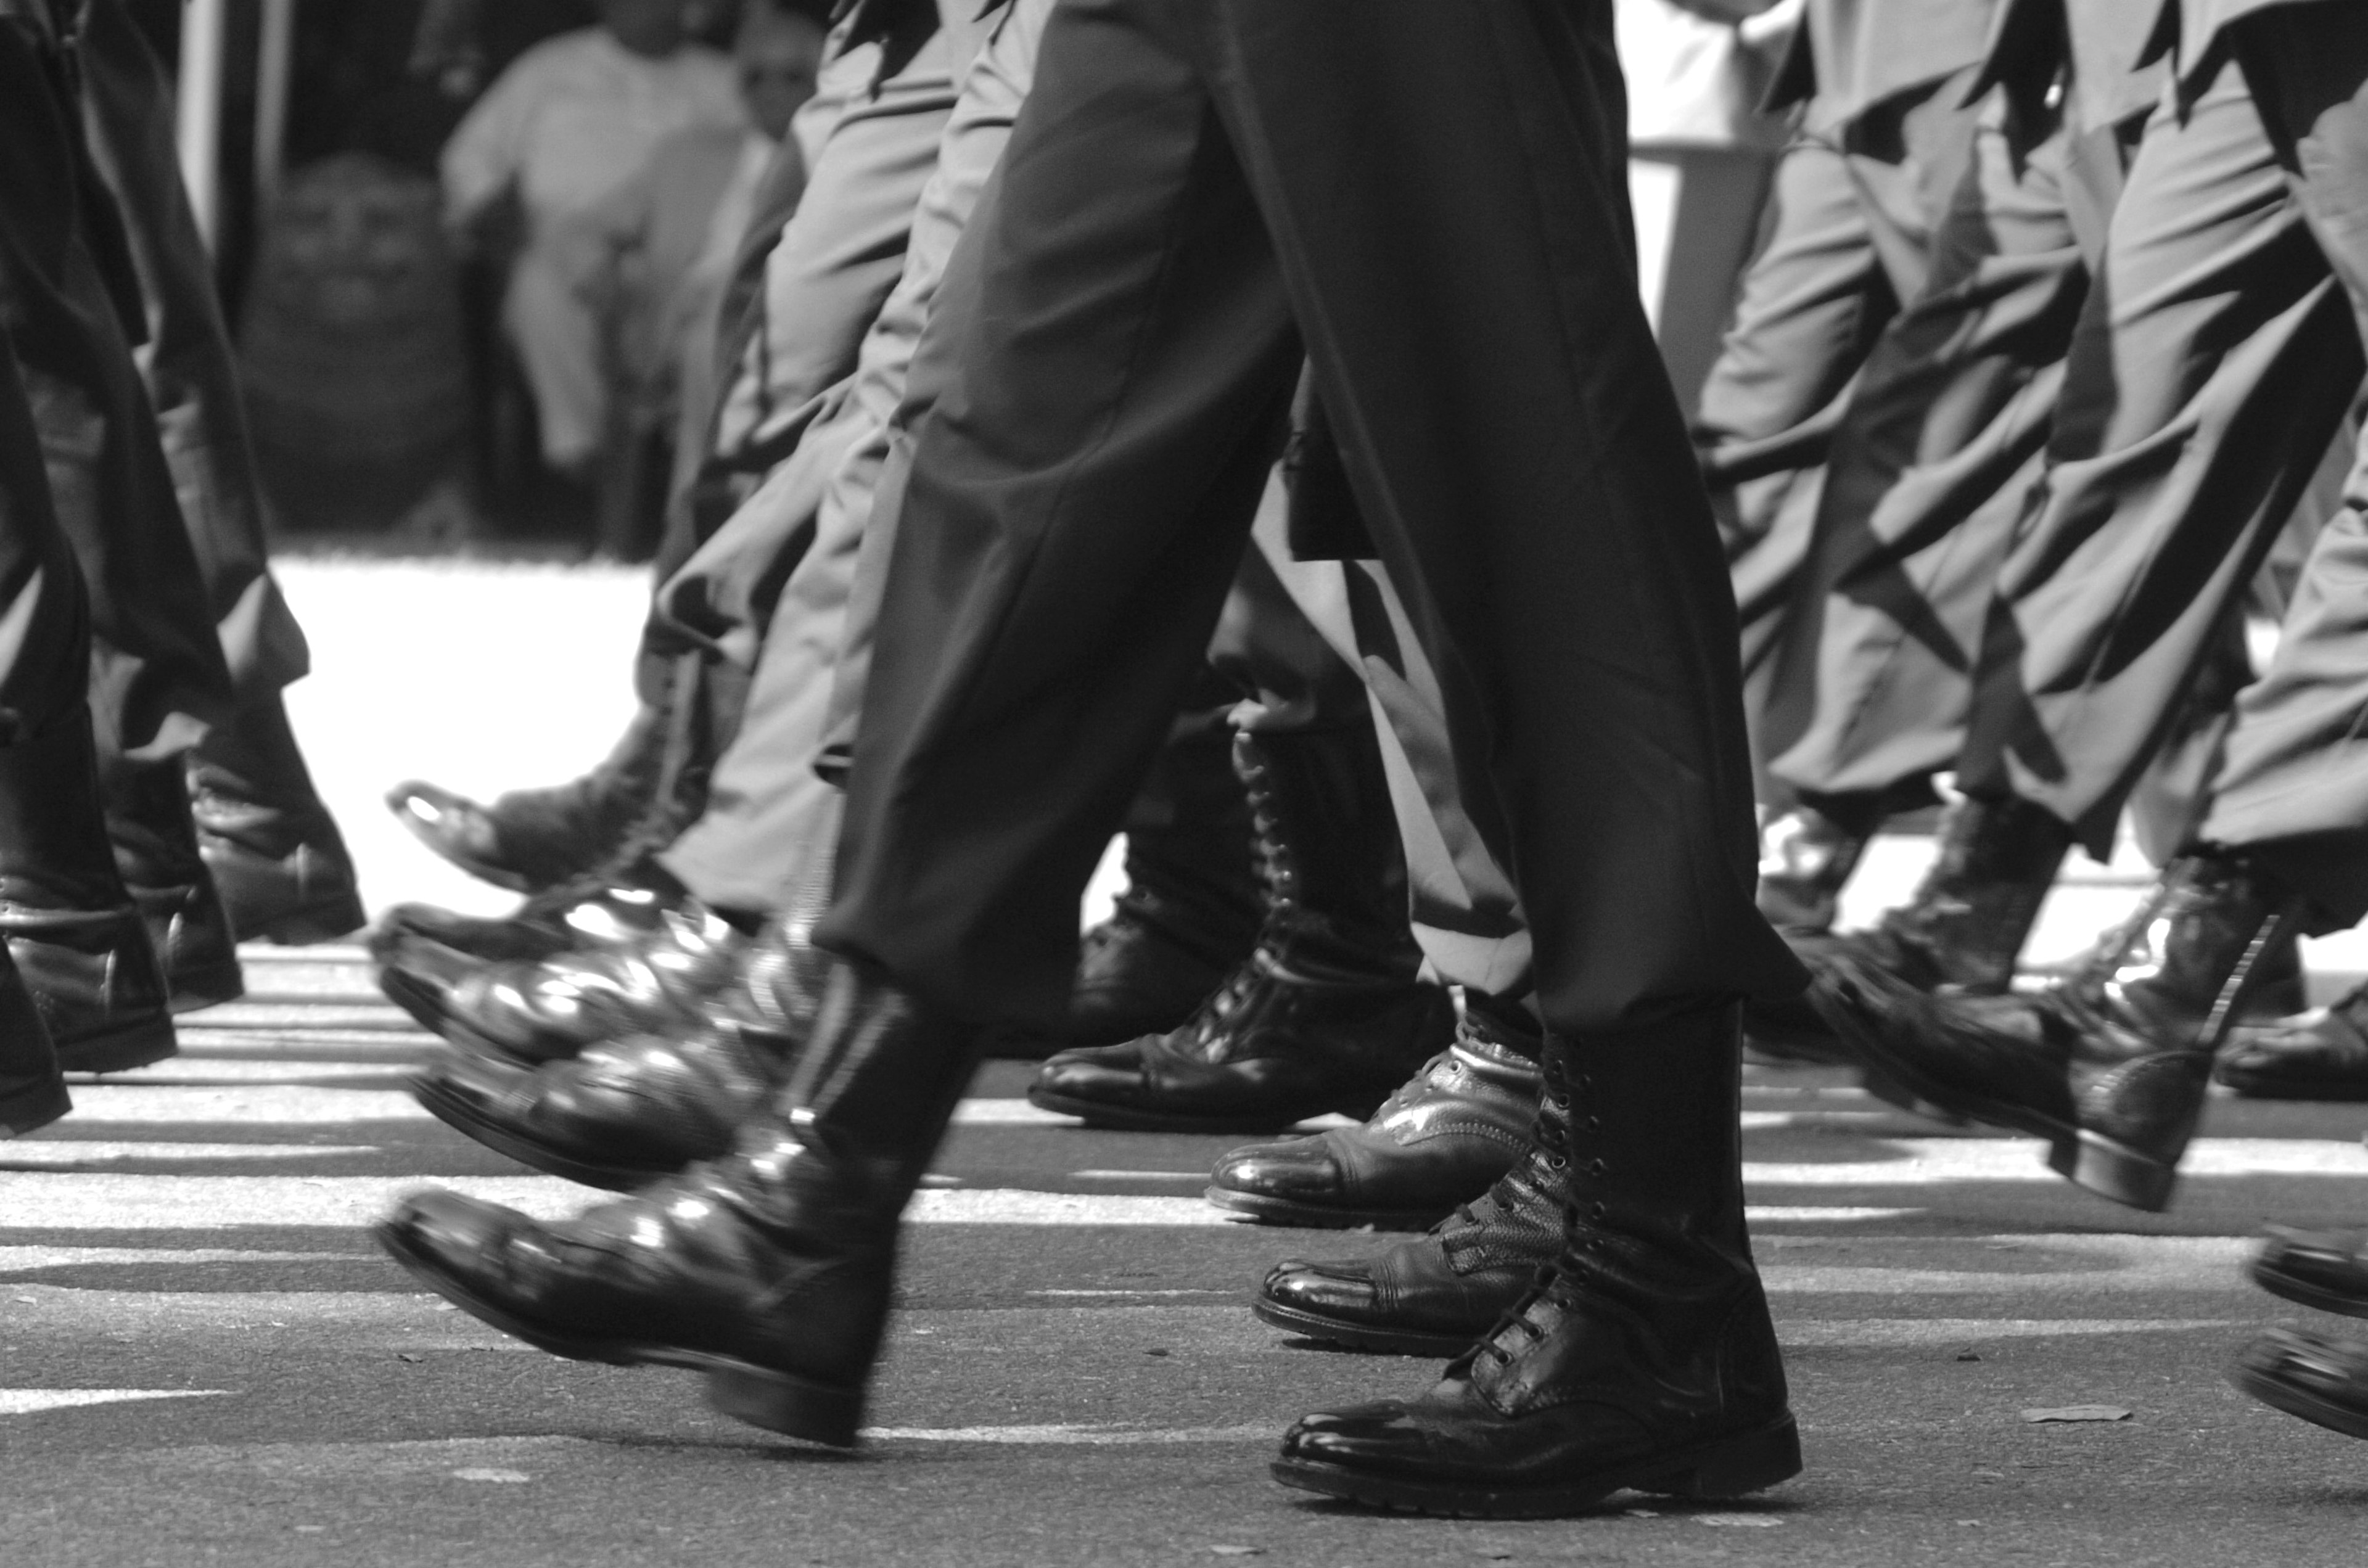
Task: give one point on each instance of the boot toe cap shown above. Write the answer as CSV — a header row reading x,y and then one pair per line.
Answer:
x,y
1302,1170
1330,1290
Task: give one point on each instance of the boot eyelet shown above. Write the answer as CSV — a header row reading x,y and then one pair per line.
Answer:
x,y
1557,1162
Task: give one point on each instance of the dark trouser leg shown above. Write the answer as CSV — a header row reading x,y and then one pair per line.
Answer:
x,y
975,816
1939,441
2209,371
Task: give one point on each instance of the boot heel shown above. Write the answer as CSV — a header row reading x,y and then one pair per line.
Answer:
x,y
792,1406
2111,1171
1750,1463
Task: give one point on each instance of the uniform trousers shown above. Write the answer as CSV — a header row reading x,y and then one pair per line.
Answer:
x,y
192,373
2292,785
2210,368
1435,209
156,675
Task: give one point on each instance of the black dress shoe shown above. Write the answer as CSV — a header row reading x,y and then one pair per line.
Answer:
x,y
623,1114
155,839
2322,1380
1805,857
79,943
1437,1294
771,1270
2111,1064
277,856
1447,1135
549,1010
2319,1058
32,1093
1643,1359
2326,1270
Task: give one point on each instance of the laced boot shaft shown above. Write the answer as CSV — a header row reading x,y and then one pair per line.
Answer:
x,y
1971,913
276,854
1440,1141
155,840
1805,857
1327,1014
77,939
771,1270
1643,1358
625,1113
1436,1294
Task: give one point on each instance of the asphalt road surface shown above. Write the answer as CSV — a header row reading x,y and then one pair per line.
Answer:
x,y
204,1358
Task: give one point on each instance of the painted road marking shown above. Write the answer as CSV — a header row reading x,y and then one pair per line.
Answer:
x,y
61,1153
1100,1435
197,1073
1907,1334
28,1401
285,1105
23,1259
1926,1161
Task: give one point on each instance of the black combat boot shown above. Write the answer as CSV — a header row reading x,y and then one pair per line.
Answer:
x,y
771,1270
1805,856
275,851
156,853
2319,1377
2325,1270
1326,1015
628,1111
533,1011
650,785
78,940
615,908
2110,1064
1644,1358
32,1093
1437,1294
1961,932
1443,1140
1189,913
2319,1058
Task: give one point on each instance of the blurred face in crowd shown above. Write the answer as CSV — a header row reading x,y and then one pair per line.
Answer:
x,y
654,28
778,54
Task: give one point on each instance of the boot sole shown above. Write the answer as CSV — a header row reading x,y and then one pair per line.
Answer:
x,y
2300,1401
423,1001
1357,1336
1727,1467
324,922
2303,1294
461,1117
1123,1118
28,1111
1262,1211
195,990
140,1044
2114,1170
778,1402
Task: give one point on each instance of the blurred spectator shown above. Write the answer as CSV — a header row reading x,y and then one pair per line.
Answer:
x,y
560,132
652,259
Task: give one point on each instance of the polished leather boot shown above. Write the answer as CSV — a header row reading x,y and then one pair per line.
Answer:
x,y
156,853
1191,907
77,939
2325,1270
1961,931
1644,1358
32,1093
769,1270
2110,1064
1805,857
275,851
2319,1058
546,1010
624,1113
1443,1140
1437,1294
528,840
2318,1377
589,914
1326,1015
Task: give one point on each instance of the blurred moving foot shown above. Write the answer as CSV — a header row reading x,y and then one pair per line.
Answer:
x,y
588,913
1443,1140
2326,1270
2319,1378
2322,1056
2110,1064
277,856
